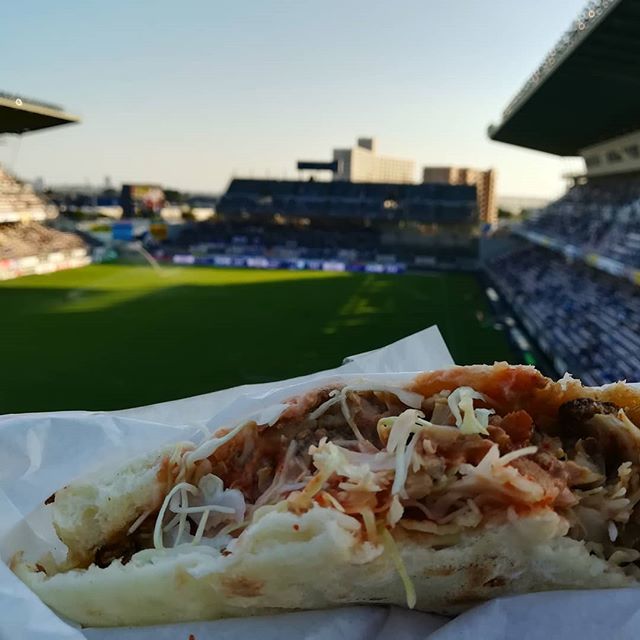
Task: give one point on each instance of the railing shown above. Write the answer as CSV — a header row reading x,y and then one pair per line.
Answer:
x,y
590,16
573,252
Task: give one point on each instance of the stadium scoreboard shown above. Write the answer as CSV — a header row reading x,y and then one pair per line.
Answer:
x,y
141,200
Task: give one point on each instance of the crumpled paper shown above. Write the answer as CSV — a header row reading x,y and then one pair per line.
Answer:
x,y
43,451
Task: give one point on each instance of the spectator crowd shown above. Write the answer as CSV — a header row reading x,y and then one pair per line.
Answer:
x,y
18,240
601,218
585,319
21,235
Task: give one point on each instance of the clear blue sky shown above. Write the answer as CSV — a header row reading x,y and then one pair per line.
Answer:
x,y
190,93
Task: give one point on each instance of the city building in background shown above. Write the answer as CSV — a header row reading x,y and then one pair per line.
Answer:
x,y
361,163
484,181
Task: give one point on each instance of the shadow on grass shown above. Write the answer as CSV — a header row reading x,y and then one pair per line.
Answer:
x,y
177,341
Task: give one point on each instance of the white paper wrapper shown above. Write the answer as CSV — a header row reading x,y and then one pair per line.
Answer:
x,y
42,452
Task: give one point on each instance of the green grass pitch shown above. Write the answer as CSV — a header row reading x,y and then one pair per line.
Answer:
x,y
116,336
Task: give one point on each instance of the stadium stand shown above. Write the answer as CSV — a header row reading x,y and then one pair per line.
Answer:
x,y
19,202
26,245
586,321
33,239
348,225
332,226
429,203
600,218
575,285
280,241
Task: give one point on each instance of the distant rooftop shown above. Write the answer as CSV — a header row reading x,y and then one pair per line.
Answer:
x,y
19,99
19,114
586,89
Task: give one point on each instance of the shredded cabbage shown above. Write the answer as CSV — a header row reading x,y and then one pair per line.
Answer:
x,y
396,511
327,459
201,525
334,503
361,478
139,520
210,498
369,520
518,453
493,462
356,475
407,423
209,447
279,482
355,467
392,549
468,419
493,473
360,474
334,398
157,530
398,430
344,405
409,398
379,461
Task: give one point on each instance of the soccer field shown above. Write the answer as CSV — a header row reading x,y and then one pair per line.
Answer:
x,y
116,336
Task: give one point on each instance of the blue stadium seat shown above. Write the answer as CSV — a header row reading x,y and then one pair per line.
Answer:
x,y
590,319
601,218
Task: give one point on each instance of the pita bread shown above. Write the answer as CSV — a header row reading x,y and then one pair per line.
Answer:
x,y
300,550
89,513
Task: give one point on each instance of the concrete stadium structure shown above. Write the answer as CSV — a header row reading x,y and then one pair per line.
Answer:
x,y
484,181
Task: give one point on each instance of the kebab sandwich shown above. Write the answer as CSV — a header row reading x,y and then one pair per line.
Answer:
x,y
460,486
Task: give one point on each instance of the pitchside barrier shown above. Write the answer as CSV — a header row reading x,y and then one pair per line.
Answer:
x,y
33,265
295,264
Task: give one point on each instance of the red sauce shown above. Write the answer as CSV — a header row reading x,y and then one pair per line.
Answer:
x,y
238,467
519,427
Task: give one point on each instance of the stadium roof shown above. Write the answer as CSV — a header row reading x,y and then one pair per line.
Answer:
x,y
587,90
20,115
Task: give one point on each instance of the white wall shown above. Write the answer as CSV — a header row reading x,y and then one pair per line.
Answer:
x,y
624,149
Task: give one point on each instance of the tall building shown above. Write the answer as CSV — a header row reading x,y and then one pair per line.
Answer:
x,y
484,181
363,164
